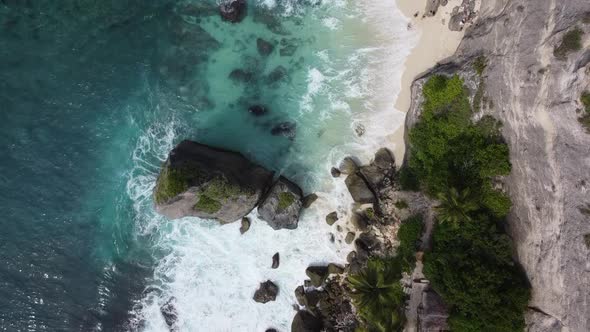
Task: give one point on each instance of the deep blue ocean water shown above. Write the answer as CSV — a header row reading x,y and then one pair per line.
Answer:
x,y
93,93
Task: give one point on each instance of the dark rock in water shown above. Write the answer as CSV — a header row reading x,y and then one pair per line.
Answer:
x,y
349,237
309,200
233,11
432,312
276,75
304,321
288,46
207,182
271,20
367,242
265,48
241,76
170,313
373,176
312,297
348,166
359,190
335,172
282,205
275,261
351,256
331,218
245,225
267,292
257,110
317,274
271,330
287,129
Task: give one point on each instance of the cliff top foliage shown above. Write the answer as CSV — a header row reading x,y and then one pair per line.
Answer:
x,y
173,181
456,160
409,236
571,42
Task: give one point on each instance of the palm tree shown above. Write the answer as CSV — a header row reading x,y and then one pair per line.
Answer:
x,y
455,207
378,294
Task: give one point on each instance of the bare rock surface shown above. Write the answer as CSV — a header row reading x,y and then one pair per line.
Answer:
x,y
282,205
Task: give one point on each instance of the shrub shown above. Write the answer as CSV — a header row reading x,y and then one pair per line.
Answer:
x,y
409,237
480,64
378,295
471,267
571,42
401,204
408,180
286,199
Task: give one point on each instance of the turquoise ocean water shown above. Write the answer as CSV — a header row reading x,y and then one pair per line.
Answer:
x,y
93,95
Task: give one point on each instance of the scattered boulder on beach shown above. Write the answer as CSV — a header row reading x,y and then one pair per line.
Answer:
x,y
282,205
207,182
317,274
286,129
267,292
275,261
233,11
264,47
359,190
245,225
304,321
309,200
332,218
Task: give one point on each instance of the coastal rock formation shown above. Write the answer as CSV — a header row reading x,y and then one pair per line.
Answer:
x,y
264,47
536,95
267,292
233,11
282,205
198,180
305,321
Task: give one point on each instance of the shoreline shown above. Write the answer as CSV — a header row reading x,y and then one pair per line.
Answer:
x,y
436,42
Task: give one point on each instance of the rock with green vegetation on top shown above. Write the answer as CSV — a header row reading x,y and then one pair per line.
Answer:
x,y
206,182
282,205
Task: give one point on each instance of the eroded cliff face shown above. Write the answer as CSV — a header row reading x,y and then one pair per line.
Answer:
x,y
537,97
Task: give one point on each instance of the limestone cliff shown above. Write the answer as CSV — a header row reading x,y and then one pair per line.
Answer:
x,y
535,91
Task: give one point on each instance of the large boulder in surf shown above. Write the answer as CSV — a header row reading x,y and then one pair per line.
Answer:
x,y
267,292
304,321
207,182
233,11
282,205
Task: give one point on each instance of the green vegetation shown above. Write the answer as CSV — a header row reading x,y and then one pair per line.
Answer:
x,y
585,118
571,42
286,199
173,181
409,236
401,204
207,204
370,213
378,295
480,64
457,160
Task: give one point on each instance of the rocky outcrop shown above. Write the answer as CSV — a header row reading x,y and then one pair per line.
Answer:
x,y
432,313
536,96
202,181
233,11
305,321
267,292
281,207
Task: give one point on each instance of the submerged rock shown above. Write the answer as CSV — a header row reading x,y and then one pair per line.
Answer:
x,y
170,314
202,181
267,292
257,110
278,74
264,47
282,205
287,129
233,11
241,76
